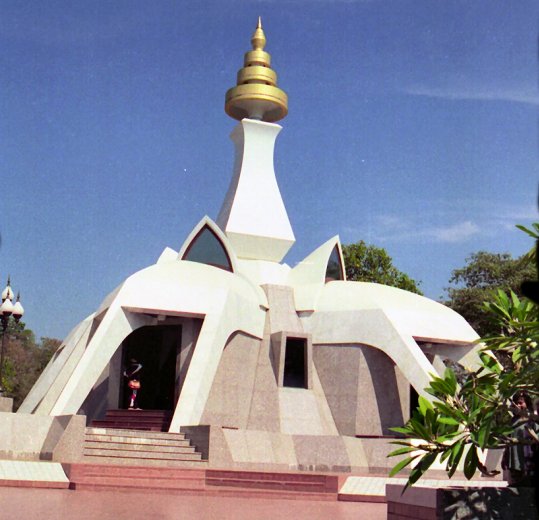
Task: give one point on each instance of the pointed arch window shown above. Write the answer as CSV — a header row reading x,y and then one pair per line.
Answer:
x,y
334,269
206,248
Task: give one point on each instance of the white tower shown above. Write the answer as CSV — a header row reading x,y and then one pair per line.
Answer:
x,y
253,214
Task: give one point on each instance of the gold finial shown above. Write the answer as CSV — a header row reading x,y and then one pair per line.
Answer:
x,y
256,94
258,41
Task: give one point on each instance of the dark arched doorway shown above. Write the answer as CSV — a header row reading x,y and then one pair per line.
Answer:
x,y
157,349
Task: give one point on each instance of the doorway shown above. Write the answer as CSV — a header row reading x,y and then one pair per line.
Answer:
x,y
157,349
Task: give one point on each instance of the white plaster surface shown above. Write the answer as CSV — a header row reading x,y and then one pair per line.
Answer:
x,y
356,452
388,319
32,471
228,302
370,486
237,444
239,311
168,255
312,269
253,214
300,414
56,365
261,272
376,486
371,327
324,411
248,446
259,447
64,367
410,313
283,449
23,434
208,222
255,230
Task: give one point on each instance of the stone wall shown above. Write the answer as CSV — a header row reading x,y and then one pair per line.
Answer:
x,y
41,437
6,404
366,392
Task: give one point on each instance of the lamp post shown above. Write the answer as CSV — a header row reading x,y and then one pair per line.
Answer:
x,y
8,310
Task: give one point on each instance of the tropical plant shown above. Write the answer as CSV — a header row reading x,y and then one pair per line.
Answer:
x,y
475,413
531,255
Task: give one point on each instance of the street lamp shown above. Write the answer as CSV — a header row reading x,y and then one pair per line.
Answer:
x,y
8,310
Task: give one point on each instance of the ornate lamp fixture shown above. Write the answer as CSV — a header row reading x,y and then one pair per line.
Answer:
x,y
8,311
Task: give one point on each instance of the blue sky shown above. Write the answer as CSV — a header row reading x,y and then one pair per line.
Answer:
x,y
412,125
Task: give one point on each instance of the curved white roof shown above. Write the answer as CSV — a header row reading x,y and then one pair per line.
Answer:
x,y
187,287
410,313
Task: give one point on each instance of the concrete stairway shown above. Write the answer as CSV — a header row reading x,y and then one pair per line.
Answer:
x,y
261,484
249,484
99,476
151,420
138,448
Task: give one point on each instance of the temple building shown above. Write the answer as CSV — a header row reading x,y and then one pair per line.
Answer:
x,y
258,362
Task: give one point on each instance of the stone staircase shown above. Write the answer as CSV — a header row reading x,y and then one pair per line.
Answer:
x,y
266,484
150,420
138,448
227,483
103,477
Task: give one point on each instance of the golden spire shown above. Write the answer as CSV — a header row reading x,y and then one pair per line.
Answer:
x,y
256,95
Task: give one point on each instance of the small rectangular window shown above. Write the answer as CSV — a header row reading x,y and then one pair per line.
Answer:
x,y
294,363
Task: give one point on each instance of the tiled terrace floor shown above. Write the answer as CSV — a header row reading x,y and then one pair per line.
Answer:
x,y
59,504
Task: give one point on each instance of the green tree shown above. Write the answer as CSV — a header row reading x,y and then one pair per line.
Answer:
x,y
368,263
24,360
479,280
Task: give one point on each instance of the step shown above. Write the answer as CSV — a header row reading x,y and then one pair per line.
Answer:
x,y
143,482
136,448
128,483
130,425
147,420
274,481
271,494
127,462
139,441
270,485
32,474
153,455
137,415
134,433
83,471
189,481
154,413
130,420
103,476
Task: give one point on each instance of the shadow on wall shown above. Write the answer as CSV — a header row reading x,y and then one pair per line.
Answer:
x,y
96,404
488,503
386,389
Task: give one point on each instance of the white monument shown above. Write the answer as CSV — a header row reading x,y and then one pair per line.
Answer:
x,y
294,367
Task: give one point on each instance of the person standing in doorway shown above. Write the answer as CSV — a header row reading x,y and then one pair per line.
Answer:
x,y
132,373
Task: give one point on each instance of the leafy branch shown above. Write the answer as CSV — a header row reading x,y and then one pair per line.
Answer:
x,y
473,414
